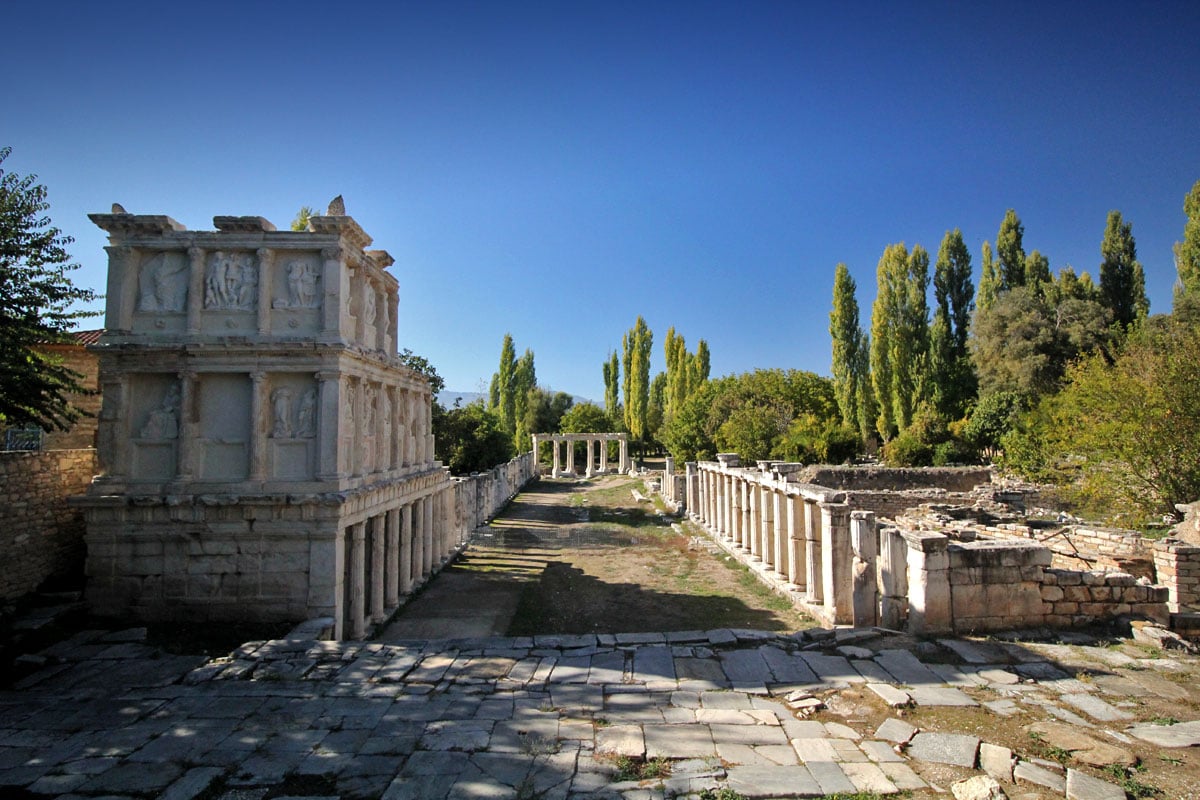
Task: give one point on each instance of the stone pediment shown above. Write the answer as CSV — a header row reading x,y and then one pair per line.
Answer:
x,y
242,224
136,225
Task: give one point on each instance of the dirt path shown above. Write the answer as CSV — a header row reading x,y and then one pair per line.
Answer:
x,y
583,557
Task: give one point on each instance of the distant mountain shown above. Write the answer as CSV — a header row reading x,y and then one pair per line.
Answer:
x,y
447,398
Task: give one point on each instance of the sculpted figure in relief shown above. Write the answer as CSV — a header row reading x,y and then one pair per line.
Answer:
x,y
306,415
163,285
163,422
301,287
369,317
230,284
281,405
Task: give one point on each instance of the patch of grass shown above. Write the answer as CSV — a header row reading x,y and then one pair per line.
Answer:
x,y
1125,777
724,793
638,769
1044,750
1164,721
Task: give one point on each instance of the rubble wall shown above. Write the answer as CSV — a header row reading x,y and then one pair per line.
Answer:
x,y
42,536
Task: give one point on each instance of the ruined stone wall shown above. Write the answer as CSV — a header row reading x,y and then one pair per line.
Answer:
x,y
482,495
848,478
1178,567
42,536
889,504
82,434
1083,597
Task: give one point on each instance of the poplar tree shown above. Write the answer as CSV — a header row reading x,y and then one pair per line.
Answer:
x,y
910,349
505,389
612,385
1037,271
1010,250
698,367
524,380
885,327
847,337
676,389
1187,252
1122,282
638,342
950,373
989,280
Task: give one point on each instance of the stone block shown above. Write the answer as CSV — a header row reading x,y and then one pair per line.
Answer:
x,y
1051,593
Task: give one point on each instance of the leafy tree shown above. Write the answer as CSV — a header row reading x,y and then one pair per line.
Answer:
x,y
885,326
470,439
421,364
544,410
951,376
992,418
585,418
1010,251
1122,281
1187,252
37,301
900,335
699,366
811,439
612,385
847,336
1024,342
989,279
1131,428
637,344
655,409
1067,285
300,223
686,435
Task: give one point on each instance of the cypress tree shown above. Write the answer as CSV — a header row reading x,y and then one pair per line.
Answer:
x,y
612,385
885,327
989,280
506,405
951,374
1010,251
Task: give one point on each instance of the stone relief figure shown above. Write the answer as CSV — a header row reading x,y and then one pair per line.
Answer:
x,y
281,406
385,444
306,415
229,284
369,313
163,422
163,285
301,287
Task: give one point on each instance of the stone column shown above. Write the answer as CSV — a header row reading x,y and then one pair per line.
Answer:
x,y
195,295
360,285
378,568
391,567
358,557
333,281
837,561
813,561
795,535
864,541
768,526
418,548
112,431
571,456
393,326
779,532
719,506
604,455
266,258
689,491
258,429
557,467
328,417
747,515
186,440
624,467
427,534
407,557
590,457
427,411
755,520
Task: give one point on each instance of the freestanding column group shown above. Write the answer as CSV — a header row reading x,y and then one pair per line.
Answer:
x,y
562,452
800,533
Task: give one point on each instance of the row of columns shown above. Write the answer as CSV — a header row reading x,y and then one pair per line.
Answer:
x,y
563,467
389,554
801,533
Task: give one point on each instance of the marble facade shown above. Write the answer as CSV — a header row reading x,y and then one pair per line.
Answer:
x,y
265,454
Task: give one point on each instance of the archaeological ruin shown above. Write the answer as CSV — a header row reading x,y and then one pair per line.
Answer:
x,y
265,453
595,458
930,551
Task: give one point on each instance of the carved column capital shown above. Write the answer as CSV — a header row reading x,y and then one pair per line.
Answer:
x,y
331,253
265,255
195,253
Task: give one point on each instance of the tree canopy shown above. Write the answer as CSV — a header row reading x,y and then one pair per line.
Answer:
x,y
38,305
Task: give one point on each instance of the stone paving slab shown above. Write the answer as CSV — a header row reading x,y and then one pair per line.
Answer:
x,y
945,748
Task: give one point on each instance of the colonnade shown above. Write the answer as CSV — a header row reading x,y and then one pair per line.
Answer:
x,y
389,553
799,532
594,441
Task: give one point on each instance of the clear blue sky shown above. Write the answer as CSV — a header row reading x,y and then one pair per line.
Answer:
x,y
555,169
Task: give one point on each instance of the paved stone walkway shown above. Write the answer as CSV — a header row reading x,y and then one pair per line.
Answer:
x,y
548,716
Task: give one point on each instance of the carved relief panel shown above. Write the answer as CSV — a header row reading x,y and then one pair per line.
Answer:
x,y
296,294
154,412
223,406
230,290
161,291
291,426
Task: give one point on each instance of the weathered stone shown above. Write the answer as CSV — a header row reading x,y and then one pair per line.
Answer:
x,y
996,761
1081,786
895,730
980,787
891,695
750,781
1096,708
945,748
1184,734
1040,776
621,740
1083,747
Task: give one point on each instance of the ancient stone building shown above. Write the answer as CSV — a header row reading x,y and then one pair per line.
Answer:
x,y
264,453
